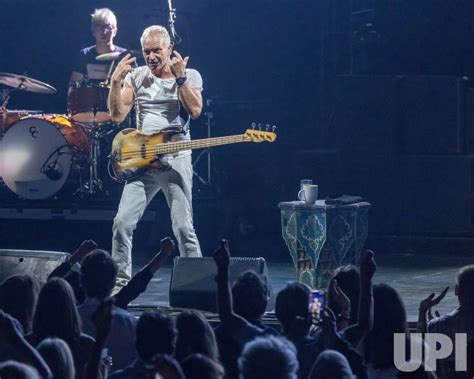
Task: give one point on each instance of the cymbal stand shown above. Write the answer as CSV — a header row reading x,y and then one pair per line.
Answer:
x,y
94,185
206,152
6,94
106,82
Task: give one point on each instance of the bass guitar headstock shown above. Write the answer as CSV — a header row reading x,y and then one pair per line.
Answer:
x,y
259,133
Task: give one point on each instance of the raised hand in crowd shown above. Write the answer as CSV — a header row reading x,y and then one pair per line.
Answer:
x,y
63,269
19,349
224,296
222,255
331,339
367,266
341,300
426,305
366,301
329,334
138,284
167,247
355,333
97,367
84,248
102,319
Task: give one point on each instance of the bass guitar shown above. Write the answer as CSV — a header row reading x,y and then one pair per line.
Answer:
x,y
134,152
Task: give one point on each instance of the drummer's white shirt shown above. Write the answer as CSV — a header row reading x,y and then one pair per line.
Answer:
x,y
157,101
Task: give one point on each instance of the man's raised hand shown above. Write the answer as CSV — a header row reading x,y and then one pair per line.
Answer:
x,y
178,65
123,68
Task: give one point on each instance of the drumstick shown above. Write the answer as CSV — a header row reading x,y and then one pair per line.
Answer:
x,y
109,74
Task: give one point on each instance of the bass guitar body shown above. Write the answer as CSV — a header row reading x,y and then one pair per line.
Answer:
x,y
132,153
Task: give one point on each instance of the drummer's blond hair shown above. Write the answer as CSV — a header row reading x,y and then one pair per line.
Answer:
x,y
155,30
103,16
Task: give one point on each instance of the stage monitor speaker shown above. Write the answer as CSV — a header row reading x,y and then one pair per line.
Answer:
x,y
193,283
37,264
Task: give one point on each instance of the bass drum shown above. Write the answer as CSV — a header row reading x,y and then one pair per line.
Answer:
x,y
37,155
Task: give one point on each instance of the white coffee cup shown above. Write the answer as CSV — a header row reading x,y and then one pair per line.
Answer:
x,y
309,193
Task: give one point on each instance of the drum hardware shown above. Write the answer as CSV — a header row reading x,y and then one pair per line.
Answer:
x,y
24,83
94,184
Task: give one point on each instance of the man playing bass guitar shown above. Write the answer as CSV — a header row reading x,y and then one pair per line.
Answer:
x,y
160,89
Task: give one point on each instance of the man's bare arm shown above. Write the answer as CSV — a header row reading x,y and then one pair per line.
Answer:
x,y
120,99
191,99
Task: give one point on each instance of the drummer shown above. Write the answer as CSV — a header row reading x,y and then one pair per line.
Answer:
x,y
104,30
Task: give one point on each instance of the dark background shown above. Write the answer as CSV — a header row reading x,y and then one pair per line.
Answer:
x,y
366,95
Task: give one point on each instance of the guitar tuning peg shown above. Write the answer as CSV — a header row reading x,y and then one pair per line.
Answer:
x,y
253,125
274,128
260,126
267,127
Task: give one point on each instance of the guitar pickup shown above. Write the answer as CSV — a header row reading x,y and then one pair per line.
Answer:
x,y
143,150
116,156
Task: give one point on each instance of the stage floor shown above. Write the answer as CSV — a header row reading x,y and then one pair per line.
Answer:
x,y
415,277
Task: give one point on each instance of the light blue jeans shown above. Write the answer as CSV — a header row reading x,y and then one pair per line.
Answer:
x,y
176,185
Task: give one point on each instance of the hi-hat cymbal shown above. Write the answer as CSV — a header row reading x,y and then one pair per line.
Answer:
x,y
115,54
25,83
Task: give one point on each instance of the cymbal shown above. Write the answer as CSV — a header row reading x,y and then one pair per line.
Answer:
x,y
115,54
26,111
25,83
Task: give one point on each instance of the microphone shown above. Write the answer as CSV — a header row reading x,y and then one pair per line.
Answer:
x,y
54,171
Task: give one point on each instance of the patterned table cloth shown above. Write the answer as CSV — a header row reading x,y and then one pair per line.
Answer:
x,y
322,237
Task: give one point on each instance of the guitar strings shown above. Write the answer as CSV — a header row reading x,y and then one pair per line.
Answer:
x,y
168,149
172,147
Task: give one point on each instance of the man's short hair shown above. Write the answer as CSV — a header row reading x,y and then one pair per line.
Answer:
x,y
155,334
155,31
465,284
103,16
250,295
98,274
269,357
291,302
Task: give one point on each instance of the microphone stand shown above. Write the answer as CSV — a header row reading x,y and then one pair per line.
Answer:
x,y
175,38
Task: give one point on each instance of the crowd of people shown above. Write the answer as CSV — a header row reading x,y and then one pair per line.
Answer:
x,y
75,327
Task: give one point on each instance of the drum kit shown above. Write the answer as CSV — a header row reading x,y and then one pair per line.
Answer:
x,y
42,155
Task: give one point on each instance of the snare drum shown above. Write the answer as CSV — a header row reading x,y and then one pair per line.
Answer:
x,y
37,155
87,102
